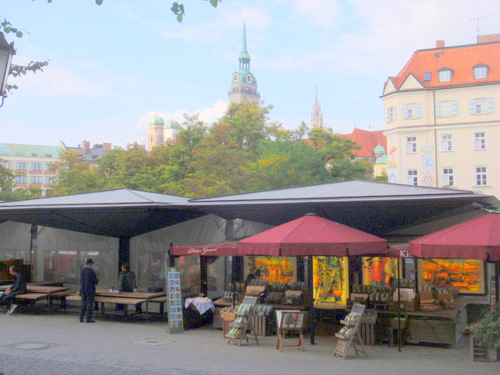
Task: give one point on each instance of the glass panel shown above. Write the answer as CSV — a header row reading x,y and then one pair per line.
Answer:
x,y
190,275
67,269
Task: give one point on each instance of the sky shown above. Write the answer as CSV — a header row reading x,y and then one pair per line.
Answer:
x,y
113,67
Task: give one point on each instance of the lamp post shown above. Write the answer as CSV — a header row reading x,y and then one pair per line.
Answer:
x,y
6,52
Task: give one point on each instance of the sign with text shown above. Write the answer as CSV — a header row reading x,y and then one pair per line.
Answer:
x,y
174,300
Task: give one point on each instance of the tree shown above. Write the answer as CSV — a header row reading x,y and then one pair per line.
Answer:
x,y
7,178
74,176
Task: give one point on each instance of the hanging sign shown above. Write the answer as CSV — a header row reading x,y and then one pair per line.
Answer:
x,y
174,300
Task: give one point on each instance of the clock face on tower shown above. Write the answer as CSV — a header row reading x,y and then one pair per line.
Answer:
x,y
236,76
249,78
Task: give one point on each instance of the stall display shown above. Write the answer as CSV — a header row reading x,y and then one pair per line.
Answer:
x,y
290,322
243,322
349,336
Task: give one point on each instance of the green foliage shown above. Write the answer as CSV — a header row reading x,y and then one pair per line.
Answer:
x,y
6,178
487,331
179,11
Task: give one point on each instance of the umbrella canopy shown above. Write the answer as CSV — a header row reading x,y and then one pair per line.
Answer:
x,y
312,235
474,239
219,249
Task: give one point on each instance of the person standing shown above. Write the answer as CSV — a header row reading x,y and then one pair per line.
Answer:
x,y
127,283
88,281
19,287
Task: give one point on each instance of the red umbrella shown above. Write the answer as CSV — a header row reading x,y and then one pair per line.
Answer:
x,y
478,238
312,235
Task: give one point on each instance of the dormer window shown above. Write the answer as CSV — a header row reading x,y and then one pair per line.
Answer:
x,y
445,75
480,71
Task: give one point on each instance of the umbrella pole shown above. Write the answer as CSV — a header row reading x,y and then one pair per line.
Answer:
x,y
399,305
233,279
311,296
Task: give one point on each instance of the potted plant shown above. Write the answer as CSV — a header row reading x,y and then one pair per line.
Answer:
x,y
485,340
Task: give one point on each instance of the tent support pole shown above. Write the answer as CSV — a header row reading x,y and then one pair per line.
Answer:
x,y
311,296
124,250
399,305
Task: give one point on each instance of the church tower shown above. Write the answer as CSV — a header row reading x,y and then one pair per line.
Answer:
x,y
317,115
244,85
155,132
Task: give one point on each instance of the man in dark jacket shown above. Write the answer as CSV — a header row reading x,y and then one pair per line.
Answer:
x,y
19,287
88,281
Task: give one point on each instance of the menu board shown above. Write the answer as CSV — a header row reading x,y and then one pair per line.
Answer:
x,y
174,300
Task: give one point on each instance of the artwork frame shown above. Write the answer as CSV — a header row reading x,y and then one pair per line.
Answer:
x,y
272,269
330,282
468,276
381,270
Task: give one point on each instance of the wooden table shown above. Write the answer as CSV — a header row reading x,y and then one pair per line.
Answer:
x,y
40,292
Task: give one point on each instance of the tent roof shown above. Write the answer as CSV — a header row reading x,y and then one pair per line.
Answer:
x,y
115,213
312,235
478,238
374,207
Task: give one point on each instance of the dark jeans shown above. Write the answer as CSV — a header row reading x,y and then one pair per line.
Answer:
x,y
8,298
87,306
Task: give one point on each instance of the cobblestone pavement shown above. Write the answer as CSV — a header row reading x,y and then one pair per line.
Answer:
x,y
58,344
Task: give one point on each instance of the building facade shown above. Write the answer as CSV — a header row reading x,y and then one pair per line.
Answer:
x,y
244,83
442,118
31,164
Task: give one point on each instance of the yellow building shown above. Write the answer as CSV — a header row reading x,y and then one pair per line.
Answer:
x,y
440,118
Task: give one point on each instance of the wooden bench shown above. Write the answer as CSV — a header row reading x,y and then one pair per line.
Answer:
x,y
115,300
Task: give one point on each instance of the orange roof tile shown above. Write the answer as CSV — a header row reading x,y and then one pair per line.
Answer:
x,y
461,59
368,140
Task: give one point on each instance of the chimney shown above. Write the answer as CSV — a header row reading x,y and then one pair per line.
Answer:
x,y
106,146
488,38
440,43
85,147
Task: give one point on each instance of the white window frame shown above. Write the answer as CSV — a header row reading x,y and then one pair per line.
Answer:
x,y
448,177
412,111
479,141
22,179
36,179
481,106
412,177
445,75
411,145
391,114
481,72
447,142
36,166
446,108
22,166
481,176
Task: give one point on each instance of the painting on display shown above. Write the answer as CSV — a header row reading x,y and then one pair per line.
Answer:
x,y
331,282
380,270
464,275
272,269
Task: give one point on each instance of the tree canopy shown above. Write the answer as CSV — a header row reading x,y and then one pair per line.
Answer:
x,y
243,151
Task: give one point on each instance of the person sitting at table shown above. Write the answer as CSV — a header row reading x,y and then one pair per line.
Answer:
x,y
18,288
127,283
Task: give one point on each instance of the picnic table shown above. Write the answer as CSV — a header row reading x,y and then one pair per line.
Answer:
x,y
42,293
104,296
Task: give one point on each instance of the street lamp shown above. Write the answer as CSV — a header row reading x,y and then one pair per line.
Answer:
x,y
6,52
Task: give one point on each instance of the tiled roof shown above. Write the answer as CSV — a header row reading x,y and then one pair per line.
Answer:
x,y
461,59
368,140
38,151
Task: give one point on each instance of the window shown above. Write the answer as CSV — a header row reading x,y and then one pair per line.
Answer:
x,y
36,179
481,106
36,166
479,141
21,179
480,71
481,176
444,75
446,109
411,145
427,76
50,180
391,114
448,177
412,111
446,142
22,166
7,164
412,177
47,166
